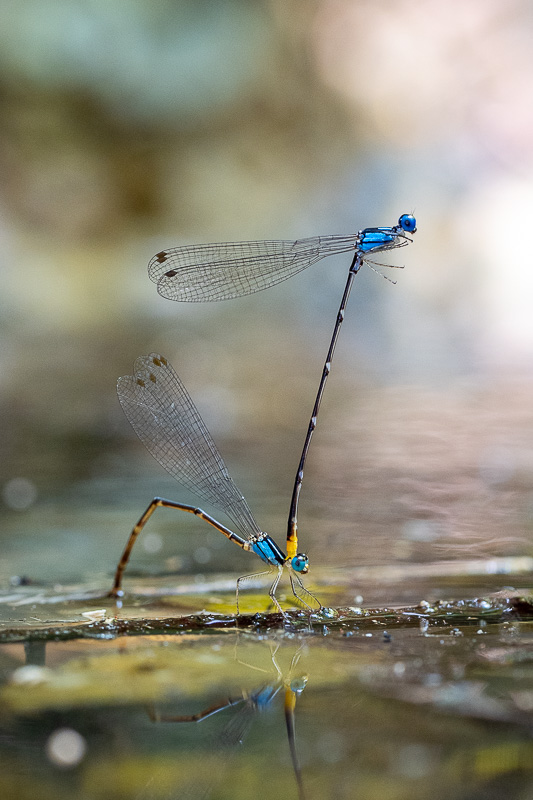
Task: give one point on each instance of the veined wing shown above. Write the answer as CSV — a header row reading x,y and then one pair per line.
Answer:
x,y
167,422
205,272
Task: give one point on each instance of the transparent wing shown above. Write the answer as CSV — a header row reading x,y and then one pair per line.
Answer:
x,y
167,422
198,273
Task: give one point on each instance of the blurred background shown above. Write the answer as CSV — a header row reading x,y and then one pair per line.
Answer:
x,y
126,128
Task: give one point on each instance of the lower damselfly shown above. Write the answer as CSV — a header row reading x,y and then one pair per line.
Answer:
x,y
167,422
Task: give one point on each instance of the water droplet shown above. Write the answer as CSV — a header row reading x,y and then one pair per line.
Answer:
x,y
202,555
19,493
66,747
152,542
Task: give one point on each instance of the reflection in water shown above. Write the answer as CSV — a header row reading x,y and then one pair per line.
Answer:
x,y
236,730
35,653
447,705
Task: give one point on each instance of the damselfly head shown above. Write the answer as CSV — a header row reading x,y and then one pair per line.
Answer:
x,y
407,223
300,563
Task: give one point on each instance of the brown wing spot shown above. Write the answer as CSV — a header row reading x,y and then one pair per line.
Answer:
x,y
163,361
162,256
156,361
153,378
140,382
171,273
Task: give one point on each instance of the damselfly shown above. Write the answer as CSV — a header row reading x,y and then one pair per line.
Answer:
x,y
168,423
205,272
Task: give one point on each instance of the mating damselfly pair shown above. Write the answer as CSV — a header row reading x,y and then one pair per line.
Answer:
x,y
165,418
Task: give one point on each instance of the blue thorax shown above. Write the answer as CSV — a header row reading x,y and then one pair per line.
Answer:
x,y
371,238
374,238
268,551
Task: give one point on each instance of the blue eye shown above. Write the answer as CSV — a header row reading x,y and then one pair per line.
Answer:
x,y
300,563
408,223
